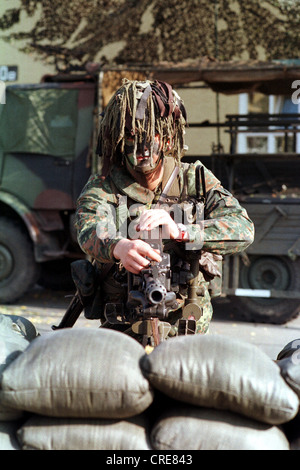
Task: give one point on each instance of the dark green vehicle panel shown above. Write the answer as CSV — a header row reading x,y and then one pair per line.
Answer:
x,y
45,133
46,142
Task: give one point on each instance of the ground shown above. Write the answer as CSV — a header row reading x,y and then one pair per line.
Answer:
x,y
45,308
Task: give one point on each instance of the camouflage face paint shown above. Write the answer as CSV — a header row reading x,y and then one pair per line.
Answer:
x,y
141,159
129,149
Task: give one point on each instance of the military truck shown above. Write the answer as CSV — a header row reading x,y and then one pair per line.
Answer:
x,y
264,281
46,137
47,141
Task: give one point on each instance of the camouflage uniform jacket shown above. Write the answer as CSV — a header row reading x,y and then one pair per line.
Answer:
x,y
107,203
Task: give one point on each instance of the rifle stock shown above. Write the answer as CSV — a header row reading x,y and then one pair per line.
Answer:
x,y
72,313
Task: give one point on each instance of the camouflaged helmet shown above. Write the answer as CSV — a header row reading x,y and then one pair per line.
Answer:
x,y
142,109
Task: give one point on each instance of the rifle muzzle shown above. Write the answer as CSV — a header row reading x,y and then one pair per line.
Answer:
x,y
155,291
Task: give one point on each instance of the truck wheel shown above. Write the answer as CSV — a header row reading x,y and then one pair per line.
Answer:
x,y
18,268
269,272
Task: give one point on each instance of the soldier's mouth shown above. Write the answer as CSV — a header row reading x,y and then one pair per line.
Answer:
x,y
143,157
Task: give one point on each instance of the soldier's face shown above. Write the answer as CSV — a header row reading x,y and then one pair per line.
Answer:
x,y
142,153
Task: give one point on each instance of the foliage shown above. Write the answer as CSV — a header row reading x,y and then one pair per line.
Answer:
x,y
73,32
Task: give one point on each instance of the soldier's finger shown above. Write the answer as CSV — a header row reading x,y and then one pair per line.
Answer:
x,y
140,261
151,253
156,219
142,248
153,218
134,267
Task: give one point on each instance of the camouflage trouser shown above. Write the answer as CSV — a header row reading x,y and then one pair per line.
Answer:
x,y
204,321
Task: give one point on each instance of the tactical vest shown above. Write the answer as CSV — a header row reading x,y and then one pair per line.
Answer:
x,y
187,189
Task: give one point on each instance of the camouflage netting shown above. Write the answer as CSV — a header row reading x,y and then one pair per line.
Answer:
x,y
127,31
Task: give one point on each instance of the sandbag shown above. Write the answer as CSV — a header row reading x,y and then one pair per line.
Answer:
x,y
8,435
47,433
290,349
192,428
12,344
79,373
22,325
222,373
289,362
9,414
12,341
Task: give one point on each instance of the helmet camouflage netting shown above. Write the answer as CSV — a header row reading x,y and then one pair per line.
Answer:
x,y
154,108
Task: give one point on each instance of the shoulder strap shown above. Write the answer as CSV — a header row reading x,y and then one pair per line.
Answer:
x,y
200,183
167,187
170,182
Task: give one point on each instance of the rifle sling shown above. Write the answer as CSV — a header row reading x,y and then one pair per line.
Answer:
x,y
164,194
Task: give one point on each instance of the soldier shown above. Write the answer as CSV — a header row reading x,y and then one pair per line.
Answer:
x,y
141,142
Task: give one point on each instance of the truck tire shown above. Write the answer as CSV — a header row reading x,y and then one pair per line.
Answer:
x,y
18,269
269,272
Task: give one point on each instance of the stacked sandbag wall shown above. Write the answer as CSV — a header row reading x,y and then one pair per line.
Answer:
x,y
228,394
88,389
81,389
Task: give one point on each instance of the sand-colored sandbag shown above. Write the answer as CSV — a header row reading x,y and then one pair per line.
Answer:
x,y
47,433
222,373
79,373
193,428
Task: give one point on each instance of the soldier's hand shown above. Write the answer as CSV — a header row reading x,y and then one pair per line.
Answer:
x,y
152,218
133,254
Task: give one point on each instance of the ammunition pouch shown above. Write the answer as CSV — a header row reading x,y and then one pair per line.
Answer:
x,y
84,277
94,310
88,279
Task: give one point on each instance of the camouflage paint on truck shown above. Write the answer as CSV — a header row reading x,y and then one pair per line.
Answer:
x,y
45,136
46,139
